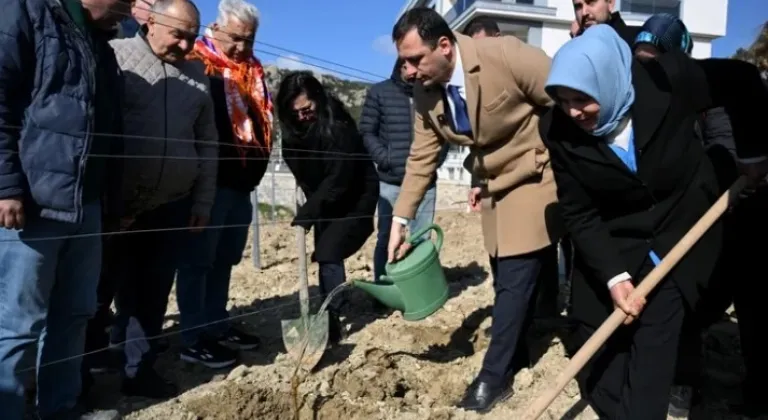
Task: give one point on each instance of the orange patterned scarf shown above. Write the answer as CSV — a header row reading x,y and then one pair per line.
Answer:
x,y
245,87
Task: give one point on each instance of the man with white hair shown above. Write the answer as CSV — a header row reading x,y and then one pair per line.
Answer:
x,y
243,111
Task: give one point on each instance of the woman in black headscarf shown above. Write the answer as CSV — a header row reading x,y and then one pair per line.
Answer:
x,y
324,150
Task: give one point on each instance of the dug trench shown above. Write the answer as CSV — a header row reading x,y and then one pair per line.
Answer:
x,y
376,383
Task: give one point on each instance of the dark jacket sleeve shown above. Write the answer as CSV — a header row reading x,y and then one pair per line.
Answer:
x,y
582,220
339,177
734,85
716,129
16,73
369,128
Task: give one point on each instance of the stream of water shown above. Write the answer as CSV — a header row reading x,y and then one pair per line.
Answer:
x,y
309,332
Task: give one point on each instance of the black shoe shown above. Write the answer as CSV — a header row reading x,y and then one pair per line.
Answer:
x,y
239,340
149,384
482,396
210,354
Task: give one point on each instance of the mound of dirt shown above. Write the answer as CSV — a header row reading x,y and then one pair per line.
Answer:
x,y
237,401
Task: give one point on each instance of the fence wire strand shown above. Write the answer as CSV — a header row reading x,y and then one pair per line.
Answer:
x,y
331,155
181,331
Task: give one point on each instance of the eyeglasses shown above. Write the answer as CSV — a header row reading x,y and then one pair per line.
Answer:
x,y
305,112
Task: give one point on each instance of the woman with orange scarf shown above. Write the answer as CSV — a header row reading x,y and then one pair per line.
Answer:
x,y
244,120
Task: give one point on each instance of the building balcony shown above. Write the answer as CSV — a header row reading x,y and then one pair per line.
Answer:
x,y
465,10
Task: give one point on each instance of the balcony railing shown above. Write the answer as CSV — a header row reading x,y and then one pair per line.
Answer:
x,y
462,5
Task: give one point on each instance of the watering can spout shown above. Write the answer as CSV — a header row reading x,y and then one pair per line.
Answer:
x,y
385,292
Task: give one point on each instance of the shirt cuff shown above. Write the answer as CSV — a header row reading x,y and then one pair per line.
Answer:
x,y
619,279
758,159
402,220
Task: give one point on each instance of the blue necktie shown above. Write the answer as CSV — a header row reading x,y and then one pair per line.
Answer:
x,y
460,119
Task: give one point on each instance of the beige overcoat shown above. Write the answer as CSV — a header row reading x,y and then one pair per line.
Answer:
x,y
505,94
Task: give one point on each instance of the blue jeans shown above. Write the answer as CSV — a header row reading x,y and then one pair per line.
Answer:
x,y
202,284
47,295
425,214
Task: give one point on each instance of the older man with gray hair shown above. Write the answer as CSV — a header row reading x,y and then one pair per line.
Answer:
x,y
169,180
244,122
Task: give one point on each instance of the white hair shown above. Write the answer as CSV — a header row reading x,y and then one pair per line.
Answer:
x,y
240,10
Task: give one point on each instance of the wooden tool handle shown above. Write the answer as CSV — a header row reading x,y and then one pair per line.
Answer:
x,y
301,248
642,290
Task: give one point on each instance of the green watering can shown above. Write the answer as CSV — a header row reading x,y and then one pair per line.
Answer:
x,y
414,285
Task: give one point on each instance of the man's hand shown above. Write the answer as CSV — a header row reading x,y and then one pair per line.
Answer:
x,y
12,213
473,197
197,223
397,245
620,294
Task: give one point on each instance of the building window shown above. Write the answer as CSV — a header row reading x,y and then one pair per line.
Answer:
x,y
523,30
650,7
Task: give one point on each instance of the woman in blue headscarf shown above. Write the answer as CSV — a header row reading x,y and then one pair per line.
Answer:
x,y
632,179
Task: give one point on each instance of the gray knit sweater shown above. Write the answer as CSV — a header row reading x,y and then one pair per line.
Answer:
x,y
171,140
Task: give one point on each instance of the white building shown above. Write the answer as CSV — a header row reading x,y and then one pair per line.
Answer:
x,y
546,24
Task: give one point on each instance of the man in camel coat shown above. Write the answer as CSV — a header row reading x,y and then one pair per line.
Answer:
x,y
486,94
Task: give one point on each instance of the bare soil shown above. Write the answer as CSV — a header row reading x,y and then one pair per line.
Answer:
x,y
386,368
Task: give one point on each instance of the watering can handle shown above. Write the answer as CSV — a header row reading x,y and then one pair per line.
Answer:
x,y
439,232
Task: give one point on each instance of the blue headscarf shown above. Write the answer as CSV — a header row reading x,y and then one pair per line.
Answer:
x,y
666,32
599,64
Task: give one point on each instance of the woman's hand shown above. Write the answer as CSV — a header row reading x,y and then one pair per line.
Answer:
x,y
620,293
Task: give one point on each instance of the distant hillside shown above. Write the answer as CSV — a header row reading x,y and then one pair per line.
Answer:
x,y
351,93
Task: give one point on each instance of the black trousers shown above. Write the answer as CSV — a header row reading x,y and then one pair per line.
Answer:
x,y
748,276
548,288
740,278
144,268
331,275
97,336
631,375
515,284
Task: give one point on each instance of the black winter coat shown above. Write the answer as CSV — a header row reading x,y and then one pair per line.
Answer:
x,y
235,173
341,187
386,125
616,217
627,33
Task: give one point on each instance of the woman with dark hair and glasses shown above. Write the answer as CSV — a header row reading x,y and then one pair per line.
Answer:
x,y
325,152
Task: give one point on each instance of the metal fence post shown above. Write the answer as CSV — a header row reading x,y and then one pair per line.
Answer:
x,y
256,248
273,213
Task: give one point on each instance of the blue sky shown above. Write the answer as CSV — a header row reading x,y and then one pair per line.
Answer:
x,y
355,33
